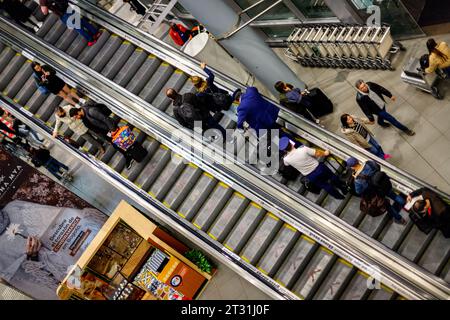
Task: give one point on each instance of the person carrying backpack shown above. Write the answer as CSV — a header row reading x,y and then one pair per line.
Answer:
x,y
42,157
188,109
21,14
375,188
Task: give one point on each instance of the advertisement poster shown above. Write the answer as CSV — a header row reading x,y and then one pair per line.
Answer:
x,y
44,228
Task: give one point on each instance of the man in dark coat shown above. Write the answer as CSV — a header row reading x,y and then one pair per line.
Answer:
x,y
370,98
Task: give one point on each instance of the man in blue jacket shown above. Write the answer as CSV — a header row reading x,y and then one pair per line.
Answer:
x,y
256,111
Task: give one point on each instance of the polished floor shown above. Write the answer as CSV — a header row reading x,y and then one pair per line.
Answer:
x,y
427,154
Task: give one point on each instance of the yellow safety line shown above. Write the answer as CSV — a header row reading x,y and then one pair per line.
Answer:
x,y
273,216
245,259
212,236
263,271
327,250
152,194
237,194
208,175
190,164
288,226
181,215
197,226
345,262
256,205
166,204
164,147
228,247
223,185
308,239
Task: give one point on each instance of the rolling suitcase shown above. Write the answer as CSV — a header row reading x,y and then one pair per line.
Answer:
x,y
137,152
321,104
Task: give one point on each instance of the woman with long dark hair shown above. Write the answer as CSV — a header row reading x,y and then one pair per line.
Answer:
x,y
439,57
357,132
46,77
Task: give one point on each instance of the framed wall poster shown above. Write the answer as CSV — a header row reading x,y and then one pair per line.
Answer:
x,y
35,208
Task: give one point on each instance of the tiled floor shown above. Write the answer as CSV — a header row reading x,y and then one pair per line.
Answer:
x,y
425,155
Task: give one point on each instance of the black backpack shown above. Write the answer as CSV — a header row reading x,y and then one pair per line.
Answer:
x,y
222,101
189,114
59,7
379,181
373,204
425,61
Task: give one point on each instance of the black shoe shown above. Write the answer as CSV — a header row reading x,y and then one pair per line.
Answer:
x,y
129,163
410,132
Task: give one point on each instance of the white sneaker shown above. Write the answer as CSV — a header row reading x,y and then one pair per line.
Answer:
x,y
36,28
82,101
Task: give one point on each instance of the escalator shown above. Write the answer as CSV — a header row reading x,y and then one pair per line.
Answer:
x,y
254,234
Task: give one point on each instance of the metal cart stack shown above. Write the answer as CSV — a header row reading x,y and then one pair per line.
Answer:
x,y
343,46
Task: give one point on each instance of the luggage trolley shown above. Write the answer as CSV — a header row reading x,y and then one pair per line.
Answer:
x,y
414,75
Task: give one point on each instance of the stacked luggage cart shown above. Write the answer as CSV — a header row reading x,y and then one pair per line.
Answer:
x,y
343,46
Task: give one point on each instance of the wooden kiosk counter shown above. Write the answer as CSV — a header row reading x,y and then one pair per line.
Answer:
x,y
131,258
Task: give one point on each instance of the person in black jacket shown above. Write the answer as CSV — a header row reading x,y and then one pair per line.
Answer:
x,y
42,157
95,119
295,100
434,210
20,13
188,109
370,98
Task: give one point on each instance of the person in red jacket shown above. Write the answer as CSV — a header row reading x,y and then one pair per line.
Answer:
x,y
179,34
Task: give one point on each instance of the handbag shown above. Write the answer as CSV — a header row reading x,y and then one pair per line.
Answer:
x,y
123,137
373,205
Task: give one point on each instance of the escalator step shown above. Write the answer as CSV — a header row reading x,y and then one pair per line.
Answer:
x,y
48,107
373,225
228,217
352,214
167,177
437,254
19,79
48,24
278,250
119,59
197,196
244,228
77,46
383,293
182,186
7,73
413,243
394,233
56,31
157,81
297,260
335,281
176,81
212,207
89,53
130,68
261,239
143,74
313,274
36,100
153,168
105,53
66,39
357,288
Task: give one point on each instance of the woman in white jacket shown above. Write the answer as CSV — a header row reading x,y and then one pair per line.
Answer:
x,y
356,131
76,125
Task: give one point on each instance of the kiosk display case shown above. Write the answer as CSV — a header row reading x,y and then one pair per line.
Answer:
x,y
131,258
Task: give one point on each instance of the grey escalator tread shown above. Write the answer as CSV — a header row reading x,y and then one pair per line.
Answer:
x,y
153,168
48,107
351,213
150,145
167,177
185,182
89,53
143,74
131,66
382,293
66,39
296,261
104,54
244,228
372,226
56,31
48,24
335,281
314,273
357,288
394,233
228,217
413,244
110,151
176,81
331,204
156,82
278,250
117,161
25,93
18,81
76,47
261,239
212,206
8,72
437,254
118,60
197,196
35,101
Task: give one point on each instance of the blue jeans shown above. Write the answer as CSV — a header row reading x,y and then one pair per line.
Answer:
x,y
87,30
375,148
325,179
384,115
394,209
54,166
